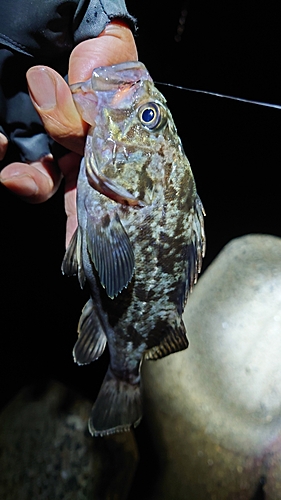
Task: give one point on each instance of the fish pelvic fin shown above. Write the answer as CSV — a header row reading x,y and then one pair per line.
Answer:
x,y
175,340
118,406
111,252
91,340
72,261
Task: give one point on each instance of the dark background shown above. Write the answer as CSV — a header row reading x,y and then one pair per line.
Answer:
x,y
234,149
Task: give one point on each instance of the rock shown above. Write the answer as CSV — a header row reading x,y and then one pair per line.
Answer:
x,y
214,410
46,451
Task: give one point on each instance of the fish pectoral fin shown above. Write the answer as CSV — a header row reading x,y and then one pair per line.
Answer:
x,y
117,407
175,340
69,265
72,261
91,340
111,252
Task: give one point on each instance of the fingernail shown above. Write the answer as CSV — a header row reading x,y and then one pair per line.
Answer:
x,y
42,87
22,185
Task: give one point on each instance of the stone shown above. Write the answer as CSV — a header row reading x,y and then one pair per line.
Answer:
x,y
47,453
214,410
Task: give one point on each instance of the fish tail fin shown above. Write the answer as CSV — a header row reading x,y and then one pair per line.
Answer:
x,y
117,407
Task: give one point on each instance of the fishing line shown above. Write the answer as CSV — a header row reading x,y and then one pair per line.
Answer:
x,y
266,104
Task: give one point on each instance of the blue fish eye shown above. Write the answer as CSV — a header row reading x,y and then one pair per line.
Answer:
x,y
152,115
148,115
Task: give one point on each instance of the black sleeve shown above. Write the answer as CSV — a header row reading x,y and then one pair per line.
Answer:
x,y
41,32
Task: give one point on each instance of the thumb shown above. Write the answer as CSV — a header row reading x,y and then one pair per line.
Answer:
x,y
114,45
52,99
51,95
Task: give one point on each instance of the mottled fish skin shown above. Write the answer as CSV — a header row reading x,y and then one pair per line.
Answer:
x,y
140,238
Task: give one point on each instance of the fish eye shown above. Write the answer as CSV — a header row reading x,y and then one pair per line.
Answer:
x,y
152,115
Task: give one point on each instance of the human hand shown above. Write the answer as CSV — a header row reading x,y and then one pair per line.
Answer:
x,y
36,182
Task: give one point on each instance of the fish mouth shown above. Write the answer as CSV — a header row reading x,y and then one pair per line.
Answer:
x,y
120,80
115,76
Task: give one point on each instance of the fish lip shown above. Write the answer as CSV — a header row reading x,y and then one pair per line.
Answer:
x,y
104,78
125,73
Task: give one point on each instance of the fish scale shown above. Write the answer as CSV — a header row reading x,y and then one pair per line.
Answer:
x,y
140,237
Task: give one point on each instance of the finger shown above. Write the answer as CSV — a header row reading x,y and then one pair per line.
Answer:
x,y
70,210
53,101
114,45
35,182
69,165
3,145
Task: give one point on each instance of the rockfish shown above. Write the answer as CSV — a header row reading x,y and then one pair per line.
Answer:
x,y
140,237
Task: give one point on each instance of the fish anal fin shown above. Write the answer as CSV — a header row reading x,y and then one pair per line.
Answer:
x,y
92,340
175,340
118,406
111,253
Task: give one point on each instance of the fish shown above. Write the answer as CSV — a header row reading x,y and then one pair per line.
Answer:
x,y
140,238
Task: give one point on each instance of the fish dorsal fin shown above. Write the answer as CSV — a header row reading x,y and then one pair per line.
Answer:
x,y
175,340
72,261
194,253
92,340
111,253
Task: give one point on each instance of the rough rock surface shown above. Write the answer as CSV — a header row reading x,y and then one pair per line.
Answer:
x,y
214,410
47,453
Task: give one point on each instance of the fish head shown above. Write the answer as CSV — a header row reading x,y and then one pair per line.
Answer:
x,y
106,83
132,141
123,105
